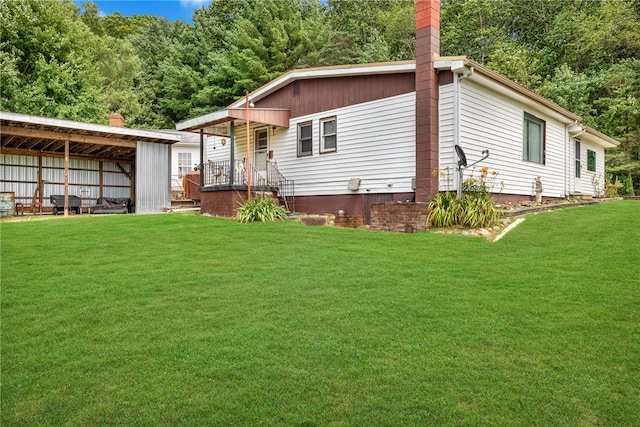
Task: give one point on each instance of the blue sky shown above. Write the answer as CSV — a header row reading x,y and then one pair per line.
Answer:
x,y
170,9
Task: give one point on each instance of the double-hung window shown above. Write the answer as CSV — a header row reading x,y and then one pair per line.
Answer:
x,y
328,135
184,163
305,139
534,139
591,160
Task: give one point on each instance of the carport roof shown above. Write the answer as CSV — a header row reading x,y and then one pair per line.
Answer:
x,y
36,135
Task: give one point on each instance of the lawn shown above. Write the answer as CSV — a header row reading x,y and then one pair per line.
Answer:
x,y
165,320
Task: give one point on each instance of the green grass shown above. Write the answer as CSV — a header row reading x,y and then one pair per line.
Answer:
x,y
189,320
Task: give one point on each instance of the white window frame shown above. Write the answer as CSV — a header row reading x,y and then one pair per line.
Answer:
x,y
527,149
592,160
324,136
184,167
302,153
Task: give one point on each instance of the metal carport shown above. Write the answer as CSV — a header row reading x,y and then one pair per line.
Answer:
x,y
41,156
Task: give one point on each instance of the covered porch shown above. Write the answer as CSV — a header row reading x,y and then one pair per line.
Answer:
x,y
247,168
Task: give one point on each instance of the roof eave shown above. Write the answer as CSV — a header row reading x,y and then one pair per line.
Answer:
x,y
326,72
269,116
100,130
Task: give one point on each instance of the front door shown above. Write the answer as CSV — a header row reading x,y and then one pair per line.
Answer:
x,y
577,186
261,150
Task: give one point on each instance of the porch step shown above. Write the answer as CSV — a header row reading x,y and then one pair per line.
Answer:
x,y
581,196
185,203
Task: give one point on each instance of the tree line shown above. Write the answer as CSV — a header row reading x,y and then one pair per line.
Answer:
x,y
58,60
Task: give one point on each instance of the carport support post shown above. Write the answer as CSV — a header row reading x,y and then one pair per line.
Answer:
x,y
40,182
101,182
66,176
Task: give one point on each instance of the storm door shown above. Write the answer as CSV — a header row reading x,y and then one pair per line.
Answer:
x,y
261,150
577,184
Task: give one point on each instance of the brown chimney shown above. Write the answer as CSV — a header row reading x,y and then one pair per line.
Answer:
x,y
427,47
116,119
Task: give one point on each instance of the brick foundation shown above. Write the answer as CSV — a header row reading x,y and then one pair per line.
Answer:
x,y
399,217
221,203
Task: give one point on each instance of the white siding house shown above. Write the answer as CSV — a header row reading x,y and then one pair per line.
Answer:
x,y
369,112
389,150
481,110
185,156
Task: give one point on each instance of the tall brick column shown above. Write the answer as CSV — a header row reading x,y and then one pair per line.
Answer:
x,y
427,45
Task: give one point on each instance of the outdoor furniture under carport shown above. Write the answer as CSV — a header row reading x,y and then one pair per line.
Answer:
x,y
57,201
60,156
111,205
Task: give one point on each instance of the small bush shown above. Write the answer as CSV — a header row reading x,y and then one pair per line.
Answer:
x,y
261,209
612,189
476,209
445,210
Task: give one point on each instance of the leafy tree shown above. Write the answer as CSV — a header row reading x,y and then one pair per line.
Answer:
x,y
517,62
91,17
399,29
48,67
121,27
574,91
166,80
620,117
474,27
363,31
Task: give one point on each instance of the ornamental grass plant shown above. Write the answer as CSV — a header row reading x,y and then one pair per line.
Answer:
x,y
476,208
263,209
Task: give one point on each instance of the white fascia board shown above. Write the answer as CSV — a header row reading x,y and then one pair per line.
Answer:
x,y
327,72
593,136
201,120
456,65
90,127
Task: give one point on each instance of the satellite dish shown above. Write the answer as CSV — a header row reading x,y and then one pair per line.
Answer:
x,y
463,158
462,164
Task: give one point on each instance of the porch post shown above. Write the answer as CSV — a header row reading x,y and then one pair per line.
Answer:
x,y
201,165
246,104
232,143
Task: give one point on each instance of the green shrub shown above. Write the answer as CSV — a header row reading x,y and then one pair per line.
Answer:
x,y
445,210
612,189
476,209
627,187
260,209
480,211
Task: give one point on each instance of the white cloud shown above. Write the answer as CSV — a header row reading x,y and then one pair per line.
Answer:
x,y
194,3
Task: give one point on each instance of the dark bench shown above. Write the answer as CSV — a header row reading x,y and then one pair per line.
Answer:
x,y
57,201
108,205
